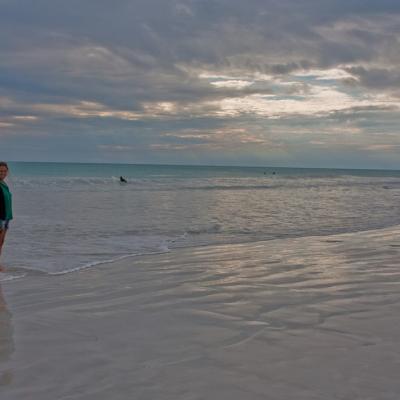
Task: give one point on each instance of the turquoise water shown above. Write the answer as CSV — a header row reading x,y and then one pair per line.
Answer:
x,y
182,171
71,216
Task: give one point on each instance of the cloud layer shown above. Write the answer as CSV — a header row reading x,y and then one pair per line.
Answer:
x,y
305,82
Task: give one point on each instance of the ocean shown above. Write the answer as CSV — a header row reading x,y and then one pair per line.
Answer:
x,y
73,216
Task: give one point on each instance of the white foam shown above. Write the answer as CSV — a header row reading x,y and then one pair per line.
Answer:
x,y
163,249
6,277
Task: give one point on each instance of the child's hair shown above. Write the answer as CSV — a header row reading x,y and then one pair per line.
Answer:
x,y
3,164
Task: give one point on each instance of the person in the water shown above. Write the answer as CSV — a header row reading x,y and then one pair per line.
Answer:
x,y
122,179
5,204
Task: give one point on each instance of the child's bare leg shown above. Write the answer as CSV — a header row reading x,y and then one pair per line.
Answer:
x,y
2,237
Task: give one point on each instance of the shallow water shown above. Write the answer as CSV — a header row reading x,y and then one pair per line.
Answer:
x,y
71,216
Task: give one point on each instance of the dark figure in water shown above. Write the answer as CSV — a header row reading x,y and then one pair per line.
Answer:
x,y
122,179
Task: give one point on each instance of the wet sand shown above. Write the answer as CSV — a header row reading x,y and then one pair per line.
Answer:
x,y
308,318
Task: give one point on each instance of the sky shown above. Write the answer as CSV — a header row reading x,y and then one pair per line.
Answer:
x,y
307,83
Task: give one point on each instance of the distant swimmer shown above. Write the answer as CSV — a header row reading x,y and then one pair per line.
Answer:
x,y
122,179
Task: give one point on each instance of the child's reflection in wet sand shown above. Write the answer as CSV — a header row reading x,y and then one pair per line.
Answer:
x,y
6,340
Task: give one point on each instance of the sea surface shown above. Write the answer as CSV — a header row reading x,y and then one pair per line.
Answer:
x,y
74,216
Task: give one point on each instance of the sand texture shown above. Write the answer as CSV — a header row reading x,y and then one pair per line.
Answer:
x,y
302,319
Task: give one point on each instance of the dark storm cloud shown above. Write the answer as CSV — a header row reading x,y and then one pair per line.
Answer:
x,y
129,51
378,78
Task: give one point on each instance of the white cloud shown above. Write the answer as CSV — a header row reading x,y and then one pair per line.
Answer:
x,y
4,124
234,83
321,100
325,74
24,118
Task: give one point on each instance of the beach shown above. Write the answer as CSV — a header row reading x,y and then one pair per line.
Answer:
x,y
200,200
313,317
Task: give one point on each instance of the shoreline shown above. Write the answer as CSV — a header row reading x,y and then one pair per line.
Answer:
x,y
305,318
95,264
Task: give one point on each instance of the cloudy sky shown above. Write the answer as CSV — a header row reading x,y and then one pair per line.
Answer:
x,y
312,83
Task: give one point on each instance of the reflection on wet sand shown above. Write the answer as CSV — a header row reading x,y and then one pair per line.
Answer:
x,y
6,341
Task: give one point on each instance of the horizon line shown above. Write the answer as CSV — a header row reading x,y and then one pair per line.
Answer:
x,y
206,165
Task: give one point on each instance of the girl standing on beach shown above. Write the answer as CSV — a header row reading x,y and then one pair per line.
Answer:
x,y
5,203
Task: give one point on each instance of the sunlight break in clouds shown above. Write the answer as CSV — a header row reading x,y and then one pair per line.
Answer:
x,y
236,84
319,99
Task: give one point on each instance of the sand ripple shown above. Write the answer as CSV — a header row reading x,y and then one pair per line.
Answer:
x,y
306,318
